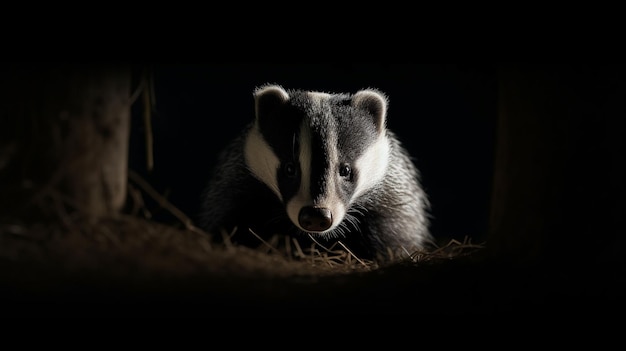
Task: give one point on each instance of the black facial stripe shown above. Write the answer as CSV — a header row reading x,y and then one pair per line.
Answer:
x,y
282,133
287,185
278,131
355,134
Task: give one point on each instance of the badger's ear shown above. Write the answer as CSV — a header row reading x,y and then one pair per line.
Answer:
x,y
268,99
375,103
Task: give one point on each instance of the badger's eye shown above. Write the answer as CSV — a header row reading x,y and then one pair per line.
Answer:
x,y
289,168
345,170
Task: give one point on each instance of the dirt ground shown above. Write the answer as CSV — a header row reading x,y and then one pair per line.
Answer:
x,y
129,267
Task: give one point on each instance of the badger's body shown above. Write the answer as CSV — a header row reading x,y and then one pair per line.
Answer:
x,y
321,166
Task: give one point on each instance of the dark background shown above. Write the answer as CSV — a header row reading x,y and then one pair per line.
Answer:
x,y
555,243
444,114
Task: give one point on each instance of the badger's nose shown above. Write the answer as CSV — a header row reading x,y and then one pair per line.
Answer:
x,y
315,219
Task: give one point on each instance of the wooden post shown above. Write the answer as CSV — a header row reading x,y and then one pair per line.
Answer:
x,y
64,136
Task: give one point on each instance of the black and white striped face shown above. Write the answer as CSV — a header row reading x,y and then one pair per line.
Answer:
x,y
318,152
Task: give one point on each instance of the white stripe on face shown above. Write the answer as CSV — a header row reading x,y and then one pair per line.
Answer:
x,y
330,198
372,165
261,160
317,98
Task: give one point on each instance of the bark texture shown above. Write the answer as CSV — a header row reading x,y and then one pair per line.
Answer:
x,y
64,138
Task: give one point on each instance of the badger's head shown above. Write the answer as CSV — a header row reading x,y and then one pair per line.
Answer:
x,y
318,152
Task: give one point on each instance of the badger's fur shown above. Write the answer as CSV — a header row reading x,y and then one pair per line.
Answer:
x,y
322,166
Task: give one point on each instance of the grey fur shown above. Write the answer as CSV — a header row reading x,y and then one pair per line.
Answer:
x,y
389,219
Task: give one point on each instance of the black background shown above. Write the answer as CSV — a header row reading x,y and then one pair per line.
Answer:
x,y
445,114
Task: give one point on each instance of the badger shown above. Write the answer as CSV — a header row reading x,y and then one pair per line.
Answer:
x,y
323,167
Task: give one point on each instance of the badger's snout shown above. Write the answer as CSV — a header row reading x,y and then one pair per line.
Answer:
x,y
315,219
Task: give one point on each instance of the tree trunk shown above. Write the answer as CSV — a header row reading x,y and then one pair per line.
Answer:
x,y
64,138
558,192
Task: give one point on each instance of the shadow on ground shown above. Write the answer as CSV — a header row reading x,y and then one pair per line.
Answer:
x,y
131,267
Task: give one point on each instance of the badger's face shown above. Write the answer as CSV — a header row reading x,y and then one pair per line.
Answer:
x,y
318,152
